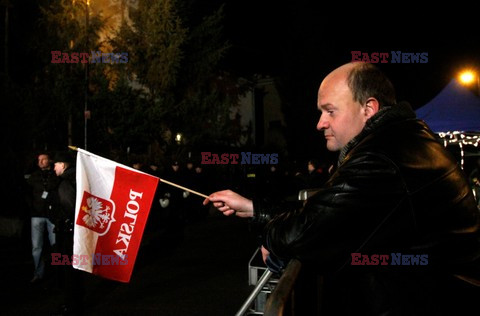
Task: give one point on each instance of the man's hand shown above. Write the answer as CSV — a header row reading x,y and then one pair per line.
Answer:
x,y
229,203
265,254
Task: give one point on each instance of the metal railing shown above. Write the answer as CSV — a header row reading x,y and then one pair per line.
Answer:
x,y
296,292
282,299
251,298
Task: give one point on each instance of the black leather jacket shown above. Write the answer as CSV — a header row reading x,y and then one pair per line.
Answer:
x,y
396,190
66,196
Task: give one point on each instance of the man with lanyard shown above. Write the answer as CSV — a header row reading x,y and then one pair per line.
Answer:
x,y
43,182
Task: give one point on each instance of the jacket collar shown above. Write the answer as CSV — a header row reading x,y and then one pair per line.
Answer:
x,y
386,115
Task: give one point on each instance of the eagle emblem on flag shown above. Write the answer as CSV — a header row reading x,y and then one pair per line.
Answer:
x,y
96,213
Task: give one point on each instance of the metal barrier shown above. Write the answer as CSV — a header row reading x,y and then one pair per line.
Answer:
x,y
303,195
251,298
282,298
280,294
263,280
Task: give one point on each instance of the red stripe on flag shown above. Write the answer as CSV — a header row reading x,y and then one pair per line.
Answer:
x,y
132,194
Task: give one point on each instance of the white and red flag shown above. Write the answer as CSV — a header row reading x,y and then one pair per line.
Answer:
x,y
112,206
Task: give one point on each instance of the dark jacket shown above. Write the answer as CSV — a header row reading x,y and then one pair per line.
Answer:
x,y
65,199
39,182
396,191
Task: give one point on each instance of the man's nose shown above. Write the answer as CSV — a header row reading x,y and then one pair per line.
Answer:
x,y
322,124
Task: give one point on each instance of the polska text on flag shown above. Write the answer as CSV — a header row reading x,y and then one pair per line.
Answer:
x,y
112,206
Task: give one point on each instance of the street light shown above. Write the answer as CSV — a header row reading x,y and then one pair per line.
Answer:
x,y
179,138
470,77
467,76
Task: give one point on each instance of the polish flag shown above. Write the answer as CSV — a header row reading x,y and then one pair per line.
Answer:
x,y
112,206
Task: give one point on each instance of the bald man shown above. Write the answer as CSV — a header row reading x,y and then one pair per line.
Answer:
x,y
395,227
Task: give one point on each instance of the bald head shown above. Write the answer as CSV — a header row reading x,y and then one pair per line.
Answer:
x,y
337,81
365,81
341,73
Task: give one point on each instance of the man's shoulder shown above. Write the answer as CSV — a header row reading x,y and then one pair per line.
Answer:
x,y
36,175
69,175
398,135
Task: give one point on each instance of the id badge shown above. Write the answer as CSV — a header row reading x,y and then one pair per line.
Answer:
x,y
44,195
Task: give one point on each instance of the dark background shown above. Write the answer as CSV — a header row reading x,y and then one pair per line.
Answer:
x,y
298,43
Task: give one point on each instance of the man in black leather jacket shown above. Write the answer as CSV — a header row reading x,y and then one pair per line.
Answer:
x,y
71,281
395,229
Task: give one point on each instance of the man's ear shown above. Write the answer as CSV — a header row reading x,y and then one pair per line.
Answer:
x,y
371,107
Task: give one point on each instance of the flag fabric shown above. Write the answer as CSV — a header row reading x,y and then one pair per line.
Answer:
x,y
112,206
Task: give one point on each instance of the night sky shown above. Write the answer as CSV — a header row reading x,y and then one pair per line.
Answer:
x,y
307,39
276,38
303,37
302,41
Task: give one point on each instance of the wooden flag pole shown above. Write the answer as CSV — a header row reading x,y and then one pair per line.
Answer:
x,y
161,180
183,188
